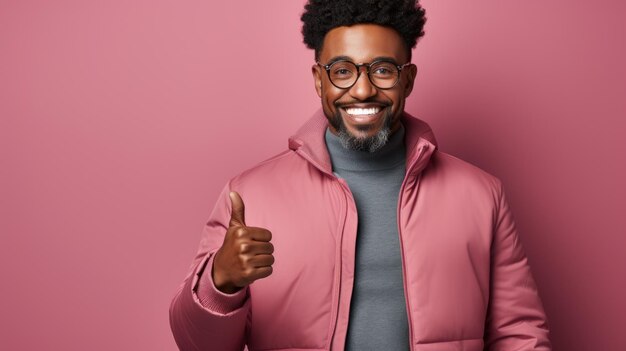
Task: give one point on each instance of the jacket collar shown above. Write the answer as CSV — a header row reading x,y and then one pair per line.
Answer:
x,y
419,140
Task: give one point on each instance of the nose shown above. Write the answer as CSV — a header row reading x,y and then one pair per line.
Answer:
x,y
363,87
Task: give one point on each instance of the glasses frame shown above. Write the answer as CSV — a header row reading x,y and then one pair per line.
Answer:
x,y
367,67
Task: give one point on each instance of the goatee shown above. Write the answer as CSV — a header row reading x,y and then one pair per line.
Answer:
x,y
370,144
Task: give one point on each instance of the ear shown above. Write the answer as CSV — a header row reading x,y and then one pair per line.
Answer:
x,y
317,77
410,79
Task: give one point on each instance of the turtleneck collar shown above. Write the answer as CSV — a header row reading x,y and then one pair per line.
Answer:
x,y
389,156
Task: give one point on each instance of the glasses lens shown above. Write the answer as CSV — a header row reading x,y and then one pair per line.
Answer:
x,y
384,74
343,73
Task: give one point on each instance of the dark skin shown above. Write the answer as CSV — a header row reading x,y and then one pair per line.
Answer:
x,y
247,253
363,43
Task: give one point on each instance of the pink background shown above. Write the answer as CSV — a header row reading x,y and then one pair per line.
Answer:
x,y
121,121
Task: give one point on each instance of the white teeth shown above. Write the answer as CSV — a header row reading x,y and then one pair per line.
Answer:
x,y
363,111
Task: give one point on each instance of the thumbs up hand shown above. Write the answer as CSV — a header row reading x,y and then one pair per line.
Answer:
x,y
245,255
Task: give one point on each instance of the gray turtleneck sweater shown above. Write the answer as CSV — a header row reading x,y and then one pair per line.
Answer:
x,y
378,319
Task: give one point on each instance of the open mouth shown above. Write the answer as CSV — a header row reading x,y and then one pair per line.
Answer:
x,y
363,115
355,111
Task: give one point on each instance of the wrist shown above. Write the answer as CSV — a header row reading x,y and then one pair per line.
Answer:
x,y
222,284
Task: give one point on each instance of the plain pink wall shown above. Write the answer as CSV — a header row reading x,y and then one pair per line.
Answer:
x,y
121,121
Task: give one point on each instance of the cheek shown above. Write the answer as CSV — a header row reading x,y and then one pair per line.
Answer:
x,y
330,97
396,99
328,104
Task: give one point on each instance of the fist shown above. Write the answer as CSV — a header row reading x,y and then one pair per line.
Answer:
x,y
245,255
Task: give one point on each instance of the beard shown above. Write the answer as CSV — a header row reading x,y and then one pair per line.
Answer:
x,y
352,142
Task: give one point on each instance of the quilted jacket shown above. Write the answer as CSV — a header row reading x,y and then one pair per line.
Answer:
x,y
467,280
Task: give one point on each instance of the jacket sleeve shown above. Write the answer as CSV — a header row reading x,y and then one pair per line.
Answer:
x,y
516,320
209,319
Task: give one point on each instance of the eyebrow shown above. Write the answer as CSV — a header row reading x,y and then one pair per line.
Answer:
x,y
348,58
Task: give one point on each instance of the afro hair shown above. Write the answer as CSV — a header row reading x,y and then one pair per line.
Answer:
x,y
407,17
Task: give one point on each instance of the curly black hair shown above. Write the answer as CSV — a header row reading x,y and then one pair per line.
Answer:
x,y
407,17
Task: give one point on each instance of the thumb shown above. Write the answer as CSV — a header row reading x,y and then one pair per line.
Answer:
x,y
237,216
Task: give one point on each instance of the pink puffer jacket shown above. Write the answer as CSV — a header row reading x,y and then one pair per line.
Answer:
x,y
467,281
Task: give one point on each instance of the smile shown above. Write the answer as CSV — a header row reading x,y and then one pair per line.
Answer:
x,y
362,111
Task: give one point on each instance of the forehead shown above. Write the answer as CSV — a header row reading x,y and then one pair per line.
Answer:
x,y
363,43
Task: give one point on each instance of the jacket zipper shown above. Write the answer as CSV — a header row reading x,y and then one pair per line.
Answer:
x,y
348,195
404,276
406,291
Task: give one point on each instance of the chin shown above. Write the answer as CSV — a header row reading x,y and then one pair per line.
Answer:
x,y
364,137
363,132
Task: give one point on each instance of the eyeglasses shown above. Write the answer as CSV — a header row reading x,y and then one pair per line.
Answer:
x,y
383,74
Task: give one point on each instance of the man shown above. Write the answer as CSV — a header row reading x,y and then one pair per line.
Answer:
x,y
362,235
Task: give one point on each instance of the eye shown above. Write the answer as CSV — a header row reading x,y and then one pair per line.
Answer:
x,y
342,72
382,70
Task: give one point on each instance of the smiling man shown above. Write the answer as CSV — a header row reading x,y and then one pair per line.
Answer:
x,y
363,111
363,235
